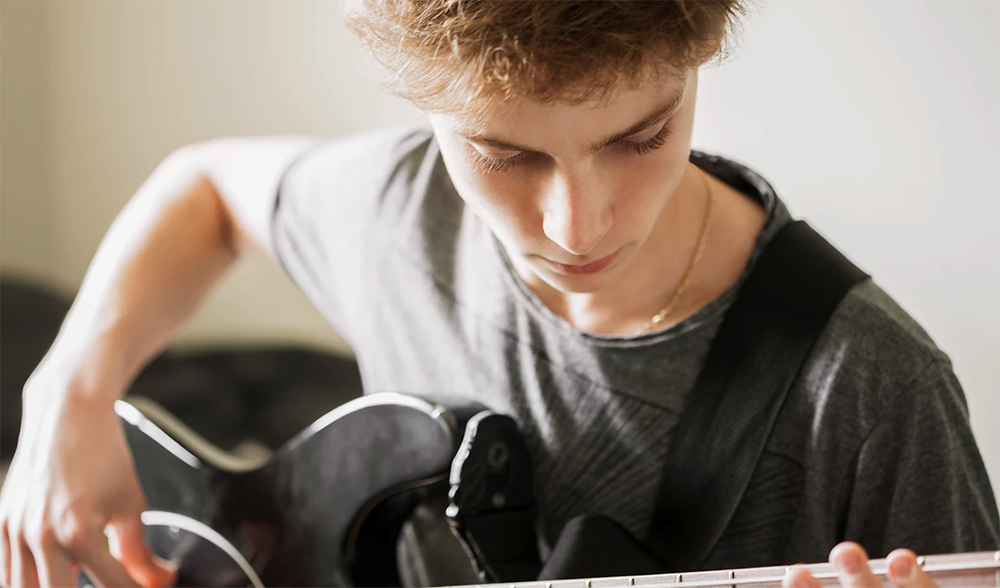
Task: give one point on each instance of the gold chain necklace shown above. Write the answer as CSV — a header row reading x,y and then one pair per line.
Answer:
x,y
699,249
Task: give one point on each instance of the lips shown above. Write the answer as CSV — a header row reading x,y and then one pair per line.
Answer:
x,y
590,268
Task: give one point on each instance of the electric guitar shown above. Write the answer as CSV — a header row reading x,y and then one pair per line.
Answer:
x,y
326,508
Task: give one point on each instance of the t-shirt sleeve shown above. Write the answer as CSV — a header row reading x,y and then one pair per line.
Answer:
x,y
919,480
326,207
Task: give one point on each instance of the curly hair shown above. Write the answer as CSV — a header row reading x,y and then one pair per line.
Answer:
x,y
462,56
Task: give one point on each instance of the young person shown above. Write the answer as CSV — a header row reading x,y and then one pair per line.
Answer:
x,y
551,247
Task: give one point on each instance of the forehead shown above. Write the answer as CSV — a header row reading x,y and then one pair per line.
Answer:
x,y
621,106
618,110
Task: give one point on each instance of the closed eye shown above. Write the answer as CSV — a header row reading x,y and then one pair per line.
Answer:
x,y
653,143
487,164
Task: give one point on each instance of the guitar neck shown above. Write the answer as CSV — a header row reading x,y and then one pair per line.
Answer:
x,y
960,569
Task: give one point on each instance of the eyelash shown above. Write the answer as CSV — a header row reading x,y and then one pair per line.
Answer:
x,y
488,164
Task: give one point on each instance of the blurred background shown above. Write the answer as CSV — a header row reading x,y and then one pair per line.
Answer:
x,y
878,122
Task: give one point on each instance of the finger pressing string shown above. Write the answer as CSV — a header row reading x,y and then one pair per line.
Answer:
x,y
905,571
851,562
798,576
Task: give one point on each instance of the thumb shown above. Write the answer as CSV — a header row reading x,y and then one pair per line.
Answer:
x,y
141,563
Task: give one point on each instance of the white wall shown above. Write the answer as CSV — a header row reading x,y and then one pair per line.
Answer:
x,y
879,122
26,214
132,81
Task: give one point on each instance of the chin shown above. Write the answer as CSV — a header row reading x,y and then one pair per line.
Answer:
x,y
576,284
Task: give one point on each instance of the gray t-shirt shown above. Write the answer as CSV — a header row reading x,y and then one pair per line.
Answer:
x,y
873,444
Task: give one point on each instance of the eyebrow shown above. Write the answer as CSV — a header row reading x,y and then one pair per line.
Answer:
x,y
649,120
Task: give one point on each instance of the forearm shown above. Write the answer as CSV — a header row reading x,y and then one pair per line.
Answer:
x,y
162,254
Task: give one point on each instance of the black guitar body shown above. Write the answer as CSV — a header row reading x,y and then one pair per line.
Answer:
x,y
324,510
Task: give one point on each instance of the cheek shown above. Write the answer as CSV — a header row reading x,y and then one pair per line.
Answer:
x,y
502,201
642,187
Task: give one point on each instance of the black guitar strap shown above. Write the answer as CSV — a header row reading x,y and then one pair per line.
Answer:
x,y
764,340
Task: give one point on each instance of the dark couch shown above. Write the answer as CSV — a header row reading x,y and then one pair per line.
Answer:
x,y
228,396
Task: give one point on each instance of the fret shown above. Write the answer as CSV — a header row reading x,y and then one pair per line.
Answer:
x,y
658,579
952,570
620,582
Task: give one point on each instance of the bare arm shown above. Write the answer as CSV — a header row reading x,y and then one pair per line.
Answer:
x,y
72,474
198,211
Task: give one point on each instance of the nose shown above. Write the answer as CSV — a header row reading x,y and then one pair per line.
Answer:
x,y
576,213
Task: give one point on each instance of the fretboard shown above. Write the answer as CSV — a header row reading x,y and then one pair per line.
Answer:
x,y
960,569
